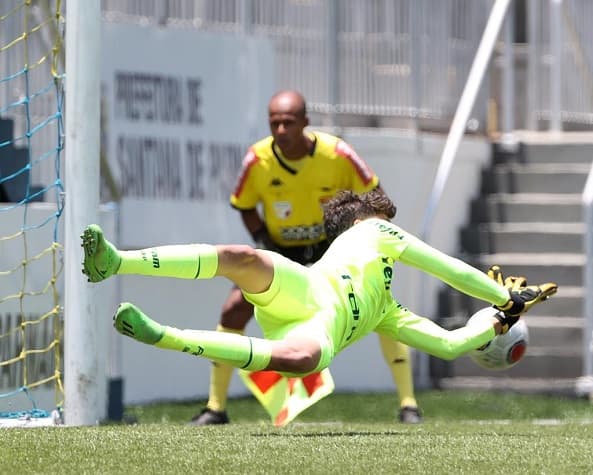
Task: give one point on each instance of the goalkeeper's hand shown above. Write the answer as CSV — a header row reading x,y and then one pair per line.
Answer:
x,y
522,296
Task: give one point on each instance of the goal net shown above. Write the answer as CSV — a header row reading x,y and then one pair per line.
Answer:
x,y
31,144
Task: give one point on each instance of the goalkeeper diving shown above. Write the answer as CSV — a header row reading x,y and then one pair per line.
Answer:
x,y
310,314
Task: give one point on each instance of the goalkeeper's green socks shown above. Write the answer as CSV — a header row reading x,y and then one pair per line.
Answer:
x,y
253,354
102,259
190,261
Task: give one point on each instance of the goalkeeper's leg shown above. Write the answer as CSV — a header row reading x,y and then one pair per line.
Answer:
x,y
250,269
102,259
294,355
238,351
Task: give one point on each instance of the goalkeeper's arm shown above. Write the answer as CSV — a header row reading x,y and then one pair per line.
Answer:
x,y
454,272
513,301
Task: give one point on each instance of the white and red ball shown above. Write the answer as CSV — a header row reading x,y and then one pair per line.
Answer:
x,y
504,351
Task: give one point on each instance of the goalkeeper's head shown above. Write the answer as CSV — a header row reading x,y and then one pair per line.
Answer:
x,y
341,212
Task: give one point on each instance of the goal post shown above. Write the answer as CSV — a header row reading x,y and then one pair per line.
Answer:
x,y
84,369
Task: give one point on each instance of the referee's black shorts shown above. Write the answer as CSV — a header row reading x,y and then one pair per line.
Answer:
x,y
304,254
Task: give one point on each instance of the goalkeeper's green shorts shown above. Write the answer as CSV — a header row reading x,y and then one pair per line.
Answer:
x,y
287,309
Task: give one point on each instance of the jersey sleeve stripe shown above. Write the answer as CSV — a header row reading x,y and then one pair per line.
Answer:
x,y
364,172
238,208
248,162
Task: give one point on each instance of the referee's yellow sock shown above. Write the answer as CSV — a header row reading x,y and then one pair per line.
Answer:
x,y
220,378
397,356
190,261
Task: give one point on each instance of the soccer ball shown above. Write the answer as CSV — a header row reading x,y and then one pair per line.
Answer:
x,y
504,351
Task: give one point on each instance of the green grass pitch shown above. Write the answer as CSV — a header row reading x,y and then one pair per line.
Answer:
x,y
463,432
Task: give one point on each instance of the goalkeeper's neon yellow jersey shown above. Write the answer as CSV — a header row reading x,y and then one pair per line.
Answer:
x,y
291,192
359,266
347,294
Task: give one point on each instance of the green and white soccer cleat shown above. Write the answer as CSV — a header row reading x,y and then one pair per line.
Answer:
x,y
130,321
101,259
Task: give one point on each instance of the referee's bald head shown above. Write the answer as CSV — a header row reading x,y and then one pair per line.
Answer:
x,y
288,101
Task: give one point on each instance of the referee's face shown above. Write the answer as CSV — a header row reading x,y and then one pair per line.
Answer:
x,y
287,130
287,123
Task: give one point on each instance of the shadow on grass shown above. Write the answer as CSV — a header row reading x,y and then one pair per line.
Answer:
x,y
331,434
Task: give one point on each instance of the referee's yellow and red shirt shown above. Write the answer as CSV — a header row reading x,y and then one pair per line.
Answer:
x,y
291,191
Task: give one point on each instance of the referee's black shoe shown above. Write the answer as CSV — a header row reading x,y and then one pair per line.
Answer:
x,y
209,417
410,415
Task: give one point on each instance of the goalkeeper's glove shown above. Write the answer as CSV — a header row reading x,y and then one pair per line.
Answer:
x,y
522,296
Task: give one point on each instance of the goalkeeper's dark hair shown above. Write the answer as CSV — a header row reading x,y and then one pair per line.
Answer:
x,y
342,210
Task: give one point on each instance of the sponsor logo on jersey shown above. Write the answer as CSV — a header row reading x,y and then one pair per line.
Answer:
x,y
282,209
302,233
386,228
